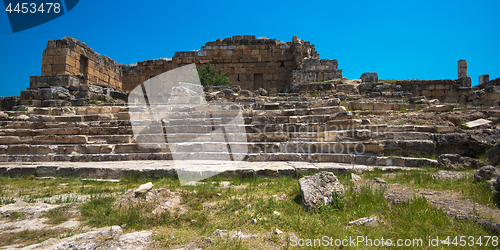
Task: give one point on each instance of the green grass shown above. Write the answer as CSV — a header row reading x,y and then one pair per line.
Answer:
x,y
477,192
235,208
6,200
57,215
27,237
39,190
214,207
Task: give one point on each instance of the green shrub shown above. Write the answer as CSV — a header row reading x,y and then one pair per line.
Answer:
x,y
209,76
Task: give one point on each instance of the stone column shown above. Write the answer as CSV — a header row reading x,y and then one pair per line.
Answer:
x,y
462,69
484,79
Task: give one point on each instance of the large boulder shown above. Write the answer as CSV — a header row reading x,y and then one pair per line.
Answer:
x,y
456,143
494,155
487,173
319,189
263,92
455,161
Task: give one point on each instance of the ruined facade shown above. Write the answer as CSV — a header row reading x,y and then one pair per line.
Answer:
x,y
74,74
252,63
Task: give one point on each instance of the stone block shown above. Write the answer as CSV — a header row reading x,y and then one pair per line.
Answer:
x,y
439,108
478,123
484,79
390,161
437,93
9,140
369,77
54,103
21,171
46,171
73,118
462,69
383,106
427,92
125,148
56,139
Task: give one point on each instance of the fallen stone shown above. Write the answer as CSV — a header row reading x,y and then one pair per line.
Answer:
x,y
456,161
379,180
448,175
477,123
456,143
225,234
355,177
333,101
276,213
319,189
144,188
494,155
439,108
364,221
434,102
224,184
277,231
486,173
245,92
263,92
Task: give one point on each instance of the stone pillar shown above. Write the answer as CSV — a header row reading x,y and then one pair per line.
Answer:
x,y
462,69
484,79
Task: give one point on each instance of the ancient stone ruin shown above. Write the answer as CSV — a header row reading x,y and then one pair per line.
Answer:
x,y
296,107
299,116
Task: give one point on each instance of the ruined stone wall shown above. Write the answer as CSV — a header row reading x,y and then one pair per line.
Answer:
x,y
317,70
446,91
69,56
251,63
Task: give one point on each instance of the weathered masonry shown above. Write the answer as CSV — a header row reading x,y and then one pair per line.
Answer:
x,y
252,63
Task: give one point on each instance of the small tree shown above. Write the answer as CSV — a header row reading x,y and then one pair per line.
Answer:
x,y
210,76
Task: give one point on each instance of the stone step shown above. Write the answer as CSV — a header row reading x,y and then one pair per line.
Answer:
x,y
402,136
118,144
45,125
163,168
65,139
312,147
146,114
330,131
255,157
85,157
409,128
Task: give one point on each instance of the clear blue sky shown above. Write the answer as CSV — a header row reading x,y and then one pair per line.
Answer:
x,y
398,39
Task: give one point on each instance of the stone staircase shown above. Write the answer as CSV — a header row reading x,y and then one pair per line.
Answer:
x,y
281,128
